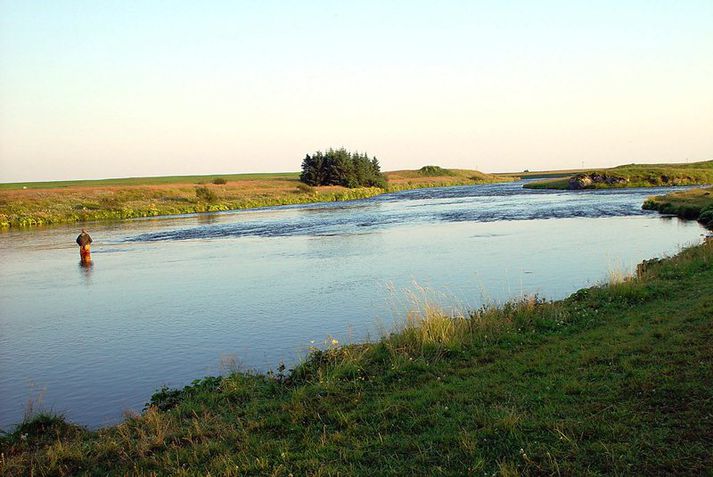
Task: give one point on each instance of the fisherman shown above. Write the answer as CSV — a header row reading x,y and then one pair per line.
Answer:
x,y
84,240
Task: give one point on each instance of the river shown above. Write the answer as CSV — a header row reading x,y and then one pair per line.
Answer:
x,y
172,299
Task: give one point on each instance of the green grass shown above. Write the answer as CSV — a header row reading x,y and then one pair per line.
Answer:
x,y
642,175
694,204
614,380
435,176
210,178
143,181
80,206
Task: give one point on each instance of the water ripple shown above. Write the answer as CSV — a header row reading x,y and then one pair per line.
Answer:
x,y
450,204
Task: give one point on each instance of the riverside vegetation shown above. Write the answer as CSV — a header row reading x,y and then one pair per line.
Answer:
x,y
694,204
614,380
634,175
30,204
44,203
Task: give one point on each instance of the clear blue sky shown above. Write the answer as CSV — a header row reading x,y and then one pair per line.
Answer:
x,y
108,89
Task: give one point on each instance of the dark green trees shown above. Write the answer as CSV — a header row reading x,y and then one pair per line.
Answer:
x,y
341,167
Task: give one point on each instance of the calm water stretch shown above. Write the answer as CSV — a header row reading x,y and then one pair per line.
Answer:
x,y
173,299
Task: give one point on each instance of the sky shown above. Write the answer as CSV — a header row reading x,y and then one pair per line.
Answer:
x,y
140,88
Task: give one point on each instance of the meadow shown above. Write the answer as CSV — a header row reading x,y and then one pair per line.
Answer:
x,y
639,175
614,380
146,181
46,203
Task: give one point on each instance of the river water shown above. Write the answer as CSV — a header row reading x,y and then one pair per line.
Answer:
x,y
169,300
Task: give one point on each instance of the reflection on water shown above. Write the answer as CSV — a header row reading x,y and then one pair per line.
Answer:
x,y
206,219
85,269
166,300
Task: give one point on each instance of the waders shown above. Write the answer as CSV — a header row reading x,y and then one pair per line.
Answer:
x,y
84,241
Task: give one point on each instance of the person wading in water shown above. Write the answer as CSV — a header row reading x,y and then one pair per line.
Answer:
x,y
84,241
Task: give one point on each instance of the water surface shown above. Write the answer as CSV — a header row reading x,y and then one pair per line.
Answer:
x,y
170,299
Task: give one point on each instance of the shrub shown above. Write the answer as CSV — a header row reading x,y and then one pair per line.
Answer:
x,y
219,181
38,428
668,208
434,171
689,212
706,216
205,194
650,204
167,398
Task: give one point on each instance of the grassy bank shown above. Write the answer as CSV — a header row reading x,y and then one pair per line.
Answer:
x,y
634,175
694,204
30,204
46,207
614,380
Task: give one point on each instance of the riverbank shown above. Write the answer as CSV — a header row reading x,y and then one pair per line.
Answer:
x,y
633,175
32,204
694,204
612,380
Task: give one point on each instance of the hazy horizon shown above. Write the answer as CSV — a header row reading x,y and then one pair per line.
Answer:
x,y
107,90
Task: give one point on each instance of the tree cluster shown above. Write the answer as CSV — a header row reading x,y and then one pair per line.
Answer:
x,y
341,167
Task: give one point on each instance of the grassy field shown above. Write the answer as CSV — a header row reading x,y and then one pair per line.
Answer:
x,y
614,380
31,204
146,181
639,175
695,204
415,179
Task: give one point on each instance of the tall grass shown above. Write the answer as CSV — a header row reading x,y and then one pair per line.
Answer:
x,y
427,331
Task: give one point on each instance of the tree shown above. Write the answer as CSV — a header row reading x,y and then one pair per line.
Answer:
x,y
341,167
313,169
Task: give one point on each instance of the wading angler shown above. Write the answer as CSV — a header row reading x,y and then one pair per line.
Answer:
x,y
84,241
